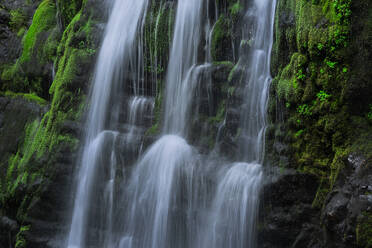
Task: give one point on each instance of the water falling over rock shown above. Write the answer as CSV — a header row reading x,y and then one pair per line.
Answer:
x,y
117,53
173,196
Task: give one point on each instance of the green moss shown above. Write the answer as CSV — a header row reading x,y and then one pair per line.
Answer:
x,y
28,74
236,9
321,193
21,32
235,73
20,237
43,139
158,36
28,96
290,77
220,116
18,19
44,19
323,96
221,39
312,83
68,9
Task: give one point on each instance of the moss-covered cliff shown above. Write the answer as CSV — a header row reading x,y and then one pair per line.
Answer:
x,y
53,69
320,102
320,89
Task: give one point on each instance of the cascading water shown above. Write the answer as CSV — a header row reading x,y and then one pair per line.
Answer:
x,y
156,218
175,197
235,207
253,110
234,210
115,58
182,62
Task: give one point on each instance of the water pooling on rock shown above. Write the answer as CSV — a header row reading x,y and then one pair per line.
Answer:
x,y
174,197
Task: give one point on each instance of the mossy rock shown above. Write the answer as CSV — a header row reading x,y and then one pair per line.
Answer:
x,y
221,46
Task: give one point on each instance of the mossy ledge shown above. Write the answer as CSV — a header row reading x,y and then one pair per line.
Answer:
x,y
31,168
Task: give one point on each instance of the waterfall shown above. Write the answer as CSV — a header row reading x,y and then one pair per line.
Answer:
x,y
253,110
172,196
234,210
117,54
182,63
157,215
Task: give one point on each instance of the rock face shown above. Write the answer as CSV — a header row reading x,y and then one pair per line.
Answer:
x,y
40,131
289,219
15,113
319,127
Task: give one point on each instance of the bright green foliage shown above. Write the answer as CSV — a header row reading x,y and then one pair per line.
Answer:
x,y
20,238
68,9
304,110
44,19
322,96
43,139
29,96
330,64
27,74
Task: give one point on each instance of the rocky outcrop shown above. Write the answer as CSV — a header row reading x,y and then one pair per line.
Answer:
x,y
15,114
40,131
289,218
320,127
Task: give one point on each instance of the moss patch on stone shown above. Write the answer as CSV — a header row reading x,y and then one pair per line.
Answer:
x,y
312,68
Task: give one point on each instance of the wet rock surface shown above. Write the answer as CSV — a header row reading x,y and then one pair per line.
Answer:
x,y
15,113
47,214
288,219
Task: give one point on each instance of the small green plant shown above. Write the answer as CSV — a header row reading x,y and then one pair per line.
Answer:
x,y
343,10
236,8
20,239
330,64
320,46
322,96
298,133
300,75
304,110
294,84
344,70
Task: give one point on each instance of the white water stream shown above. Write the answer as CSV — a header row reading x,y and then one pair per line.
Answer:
x,y
170,200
